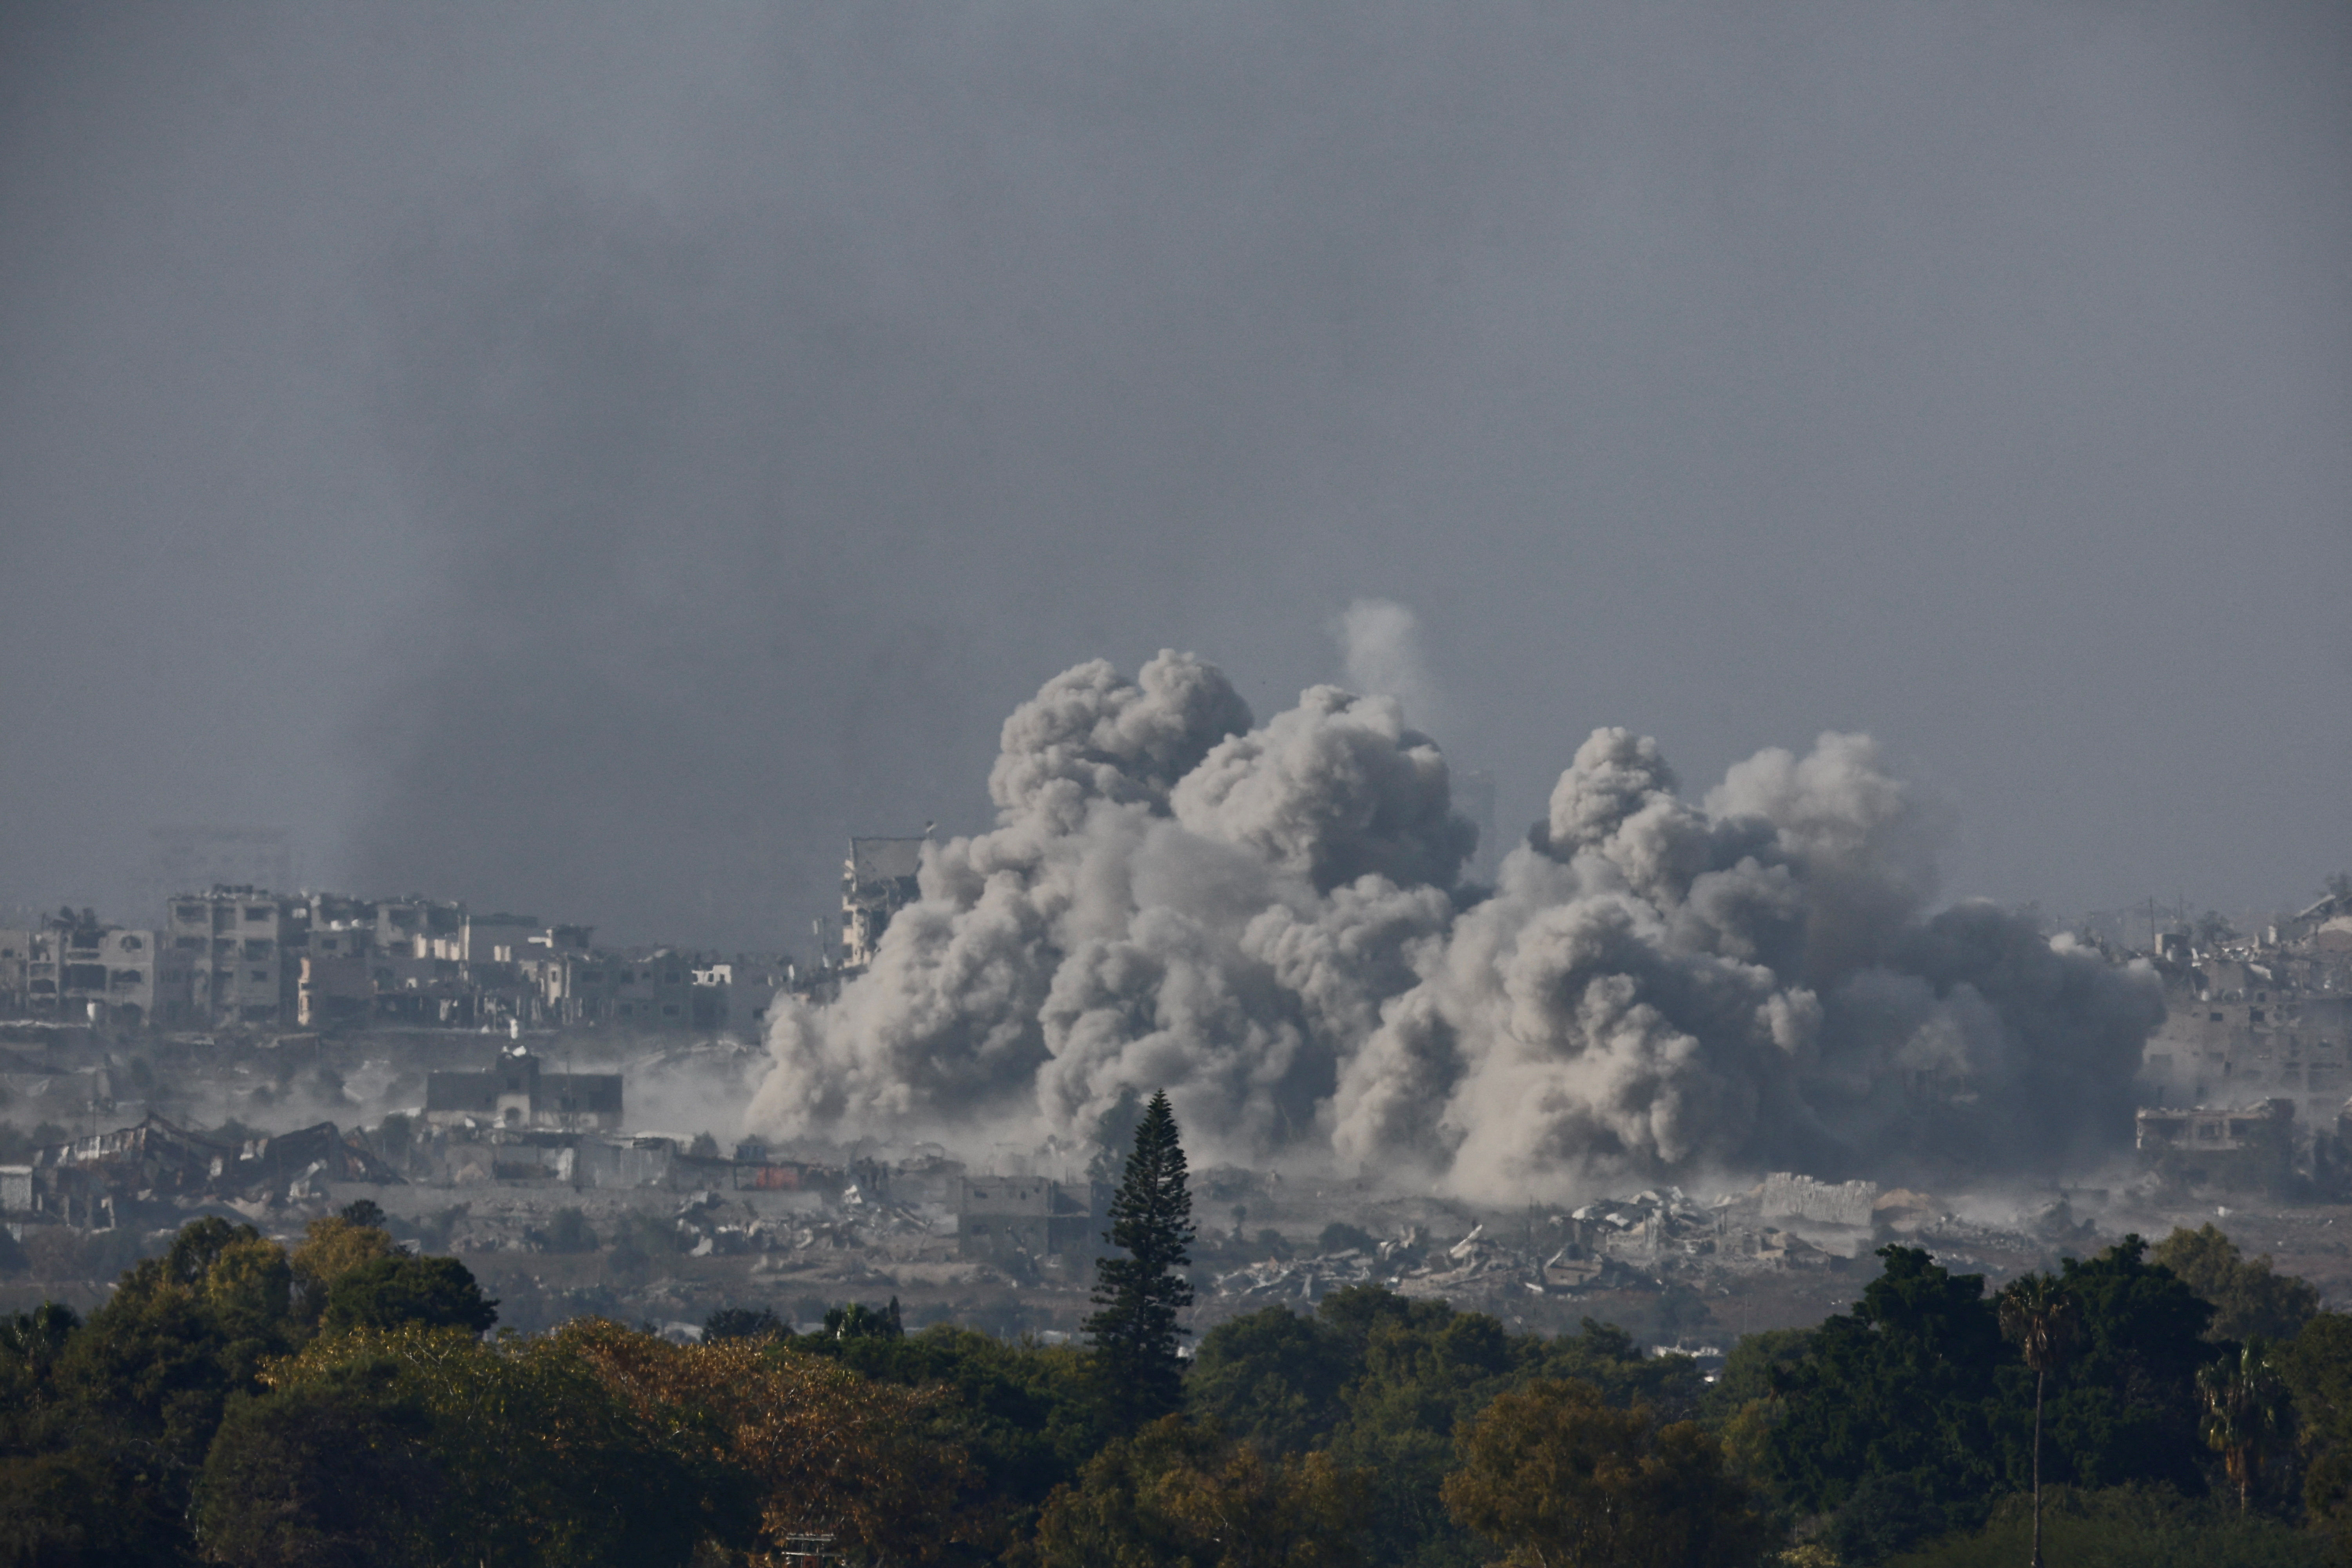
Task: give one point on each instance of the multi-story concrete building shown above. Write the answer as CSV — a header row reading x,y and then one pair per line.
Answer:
x,y
235,942
79,969
2250,1029
877,880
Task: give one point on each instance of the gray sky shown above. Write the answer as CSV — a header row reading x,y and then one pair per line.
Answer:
x,y
589,460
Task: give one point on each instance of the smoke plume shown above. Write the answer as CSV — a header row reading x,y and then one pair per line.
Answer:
x,y
1268,920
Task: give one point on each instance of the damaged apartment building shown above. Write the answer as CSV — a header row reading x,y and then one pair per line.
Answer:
x,y
74,969
246,959
877,880
2254,1056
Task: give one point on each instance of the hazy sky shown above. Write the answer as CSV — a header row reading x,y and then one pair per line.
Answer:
x,y
591,460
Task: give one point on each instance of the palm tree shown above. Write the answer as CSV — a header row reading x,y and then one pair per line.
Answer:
x,y
2245,1414
2041,1317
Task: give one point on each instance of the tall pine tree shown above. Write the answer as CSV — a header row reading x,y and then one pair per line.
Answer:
x,y
1138,1295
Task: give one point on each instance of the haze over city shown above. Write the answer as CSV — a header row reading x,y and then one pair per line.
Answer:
x,y
591,462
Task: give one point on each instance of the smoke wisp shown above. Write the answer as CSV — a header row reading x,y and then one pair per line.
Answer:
x,y
1268,920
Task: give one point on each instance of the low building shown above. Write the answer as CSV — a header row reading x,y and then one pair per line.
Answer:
x,y
2248,1147
1004,1219
517,1093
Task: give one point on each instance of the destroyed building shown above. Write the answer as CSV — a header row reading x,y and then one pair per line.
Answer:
x,y
518,1094
1002,1219
1786,1195
876,882
2253,1020
94,1182
76,969
2250,1148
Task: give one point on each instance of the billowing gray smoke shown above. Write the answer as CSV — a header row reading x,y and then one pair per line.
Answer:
x,y
1267,921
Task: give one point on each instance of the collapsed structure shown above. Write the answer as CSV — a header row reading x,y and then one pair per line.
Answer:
x,y
159,1168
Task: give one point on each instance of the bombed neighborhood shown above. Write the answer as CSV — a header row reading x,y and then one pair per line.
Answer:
x,y
1227,787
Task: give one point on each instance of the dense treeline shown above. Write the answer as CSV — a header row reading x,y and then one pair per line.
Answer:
x,y
340,1404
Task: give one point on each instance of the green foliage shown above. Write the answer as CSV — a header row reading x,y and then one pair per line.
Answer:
x,y
1339,1236
1137,1296
1177,1495
1750,1370
856,1320
2249,1299
1274,1379
2126,1409
1554,1474
744,1323
432,1292
514,1455
2317,1370
1028,1416
1381,1382
1911,1412
336,1471
1901,1387
365,1213
2246,1415
2125,1527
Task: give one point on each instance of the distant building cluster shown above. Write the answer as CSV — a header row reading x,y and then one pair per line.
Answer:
x,y
240,956
2254,1056
246,957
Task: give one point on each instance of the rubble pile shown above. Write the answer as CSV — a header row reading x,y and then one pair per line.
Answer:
x,y
156,1169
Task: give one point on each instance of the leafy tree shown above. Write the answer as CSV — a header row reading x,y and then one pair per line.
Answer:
x,y
1381,1381
1137,1296
432,1292
1560,1478
155,1366
2126,1527
1340,1236
2316,1366
2125,1408
2249,1299
332,1246
1178,1493
856,1320
366,1212
1902,1386
2040,1319
744,1323
1274,1379
323,1475
2246,1415
540,1463
815,1446
1028,1416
